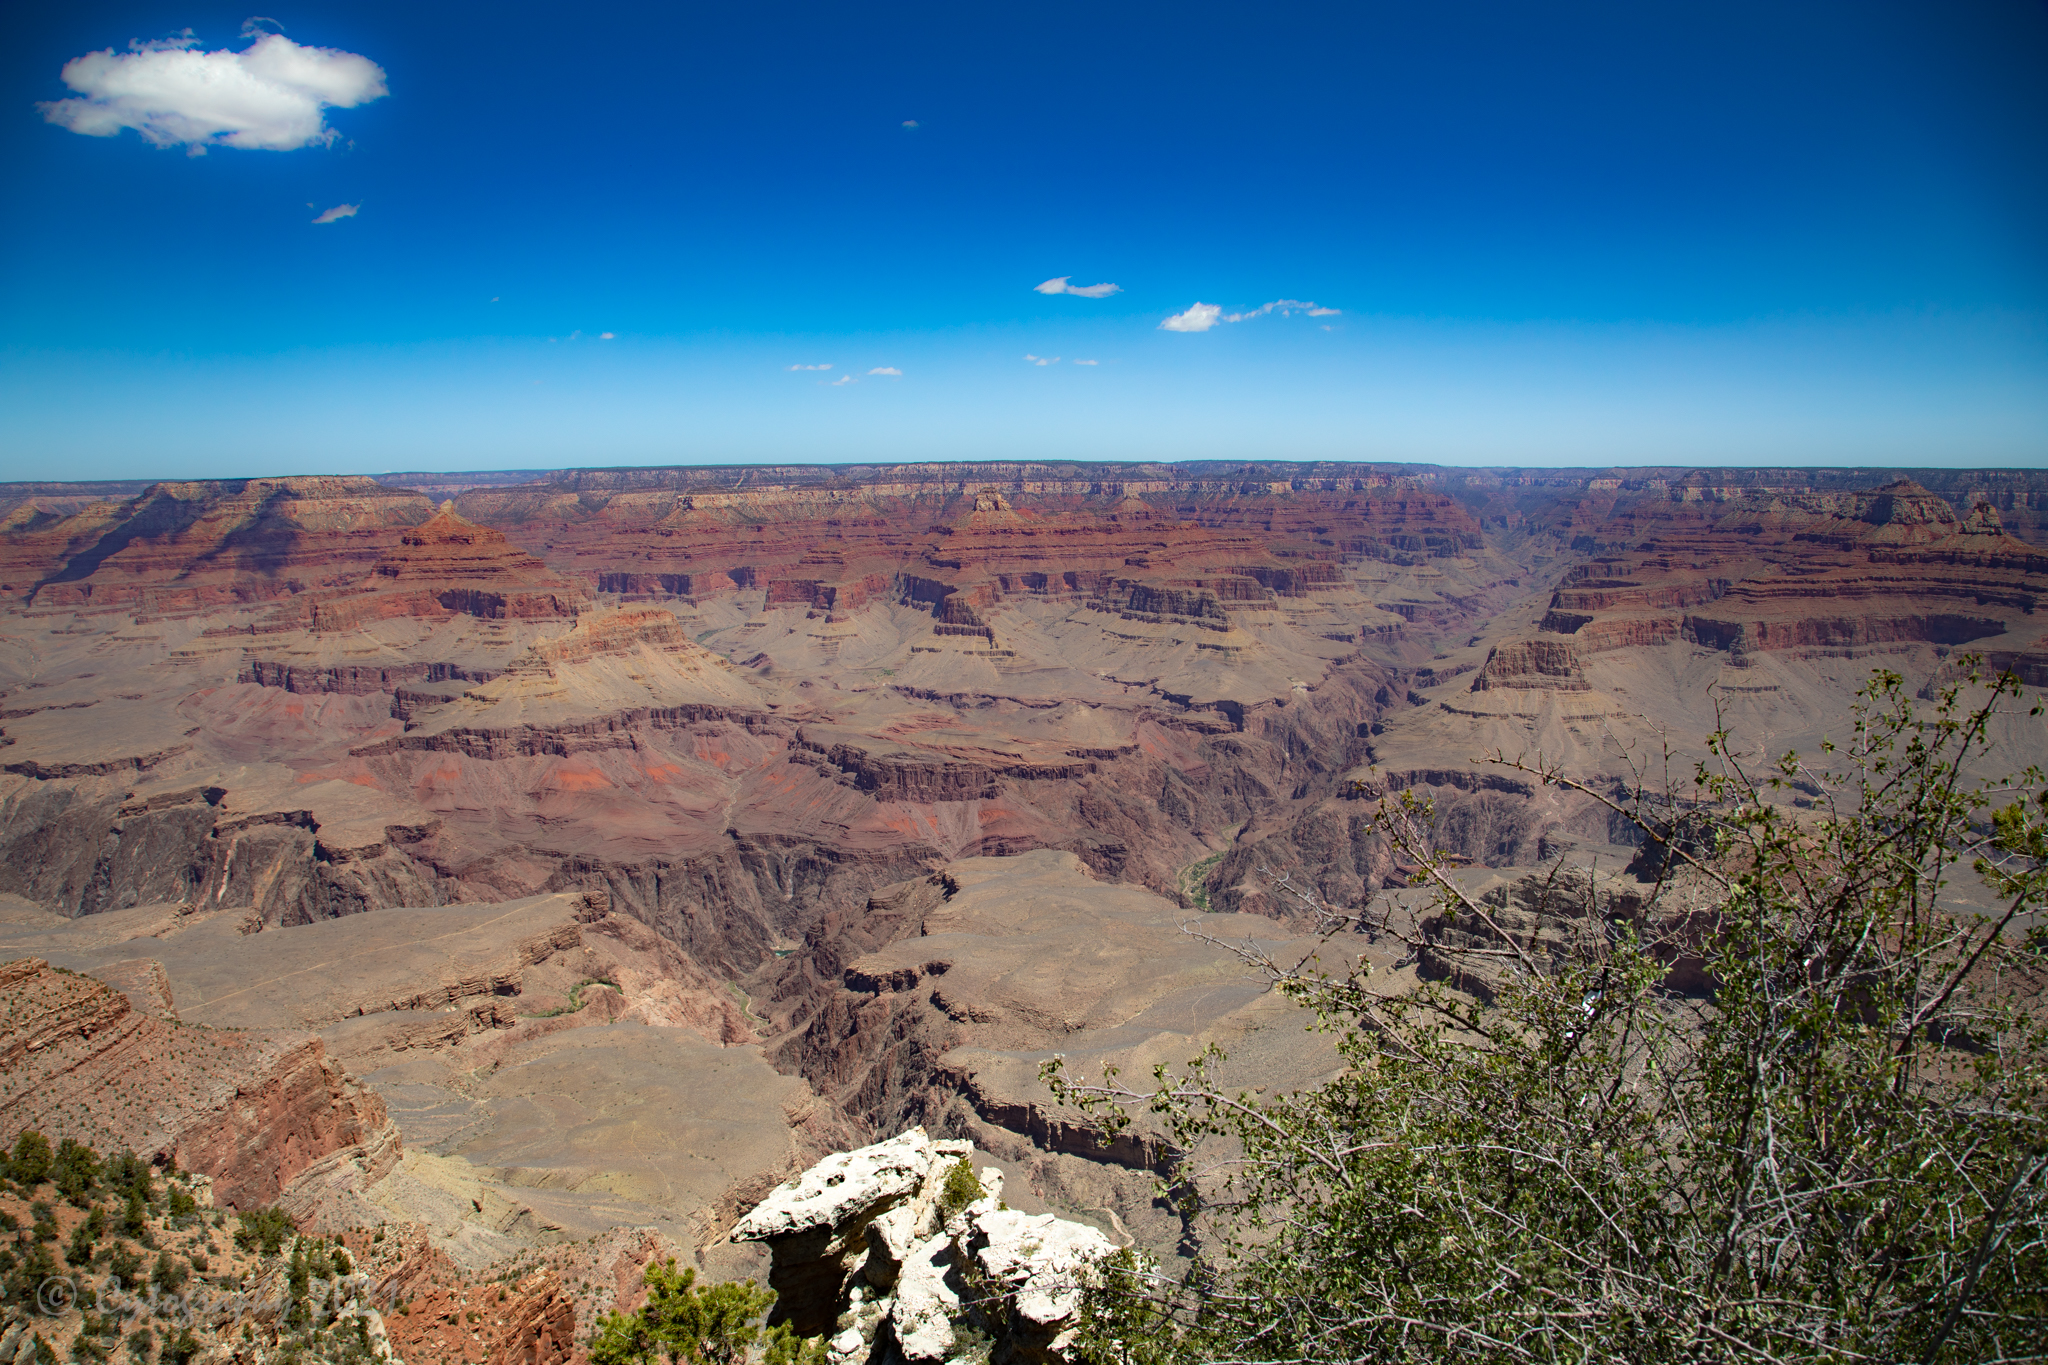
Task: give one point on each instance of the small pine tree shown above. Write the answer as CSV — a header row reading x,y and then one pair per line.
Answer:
x,y
785,1347
30,1165
82,1245
715,1326
76,1172
263,1230
135,1214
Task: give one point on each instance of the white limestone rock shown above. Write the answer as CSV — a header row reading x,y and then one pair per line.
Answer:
x,y
927,1306
1042,1260
861,1241
840,1188
891,1239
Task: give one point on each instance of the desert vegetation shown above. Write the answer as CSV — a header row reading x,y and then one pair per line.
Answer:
x,y
118,1259
1835,1151
684,1324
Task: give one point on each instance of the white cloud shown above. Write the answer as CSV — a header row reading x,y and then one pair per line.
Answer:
x,y
842,379
887,369
1203,316
1284,307
910,123
1086,291
607,336
1042,360
339,212
810,367
1087,362
268,97
1199,318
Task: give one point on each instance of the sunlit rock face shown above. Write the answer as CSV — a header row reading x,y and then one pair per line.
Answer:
x,y
886,1241
268,1116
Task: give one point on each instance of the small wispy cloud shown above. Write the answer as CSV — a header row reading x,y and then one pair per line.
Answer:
x,y
607,336
1200,318
1042,359
842,379
1086,291
888,370
1087,362
337,213
809,367
1284,307
910,123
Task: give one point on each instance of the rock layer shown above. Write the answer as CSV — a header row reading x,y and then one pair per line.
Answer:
x,y
256,1111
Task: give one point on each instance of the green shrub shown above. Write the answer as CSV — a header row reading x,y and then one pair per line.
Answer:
x,y
1836,1156
135,1214
127,1172
76,1172
785,1347
124,1267
264,1230
35,1265
715,1326
30,1164
962,1187
82,1244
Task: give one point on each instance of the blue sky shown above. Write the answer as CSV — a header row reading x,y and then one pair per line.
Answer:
x,y
1567,234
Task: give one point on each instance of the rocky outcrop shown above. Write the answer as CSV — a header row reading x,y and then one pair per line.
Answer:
x,y
78,848
355,679
475,570
910,1249
258,1111
618,632
1549,664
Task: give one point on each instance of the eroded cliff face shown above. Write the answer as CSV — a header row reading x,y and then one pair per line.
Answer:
x,y
938,1005
742,701
256,1111
742,705
862,683
1746,571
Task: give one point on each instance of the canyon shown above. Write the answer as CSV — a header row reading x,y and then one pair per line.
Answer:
x,y
517,859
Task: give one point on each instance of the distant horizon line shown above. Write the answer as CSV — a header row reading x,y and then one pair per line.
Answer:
x,y
1641,476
